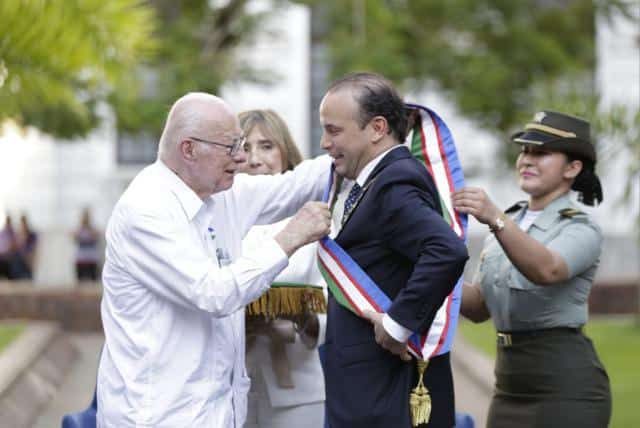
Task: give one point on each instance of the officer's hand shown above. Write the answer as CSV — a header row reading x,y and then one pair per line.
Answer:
x,y
475,201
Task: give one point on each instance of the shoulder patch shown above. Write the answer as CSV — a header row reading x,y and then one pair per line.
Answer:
x,y
570,212
515,207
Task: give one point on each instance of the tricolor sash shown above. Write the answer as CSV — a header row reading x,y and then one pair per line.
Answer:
x,y
431,142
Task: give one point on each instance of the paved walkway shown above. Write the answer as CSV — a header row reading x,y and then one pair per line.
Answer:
x,y
76,391
472,396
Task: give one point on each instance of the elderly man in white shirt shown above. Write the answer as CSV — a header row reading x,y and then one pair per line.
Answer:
x,y
175,281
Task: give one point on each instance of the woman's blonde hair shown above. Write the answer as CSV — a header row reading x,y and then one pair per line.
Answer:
x,y
273,128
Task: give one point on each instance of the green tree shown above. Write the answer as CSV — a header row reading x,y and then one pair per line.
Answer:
x,y
197,40
59,59
489,56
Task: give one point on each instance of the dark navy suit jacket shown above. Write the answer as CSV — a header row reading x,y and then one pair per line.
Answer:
x,y
398,236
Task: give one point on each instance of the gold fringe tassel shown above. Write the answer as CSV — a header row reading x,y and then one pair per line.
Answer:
x,y
419,400
279,301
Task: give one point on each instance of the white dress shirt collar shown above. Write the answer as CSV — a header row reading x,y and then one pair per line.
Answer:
x,y
189,200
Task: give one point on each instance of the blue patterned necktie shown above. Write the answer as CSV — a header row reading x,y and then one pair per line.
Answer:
x,y
354,193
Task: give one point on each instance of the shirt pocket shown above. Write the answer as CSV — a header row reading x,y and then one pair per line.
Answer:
x,y
493,267
528,302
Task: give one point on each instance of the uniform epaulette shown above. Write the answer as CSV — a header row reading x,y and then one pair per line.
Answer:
x,y
570,212
515,207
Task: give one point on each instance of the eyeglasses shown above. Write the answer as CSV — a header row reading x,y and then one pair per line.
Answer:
x,y
232,149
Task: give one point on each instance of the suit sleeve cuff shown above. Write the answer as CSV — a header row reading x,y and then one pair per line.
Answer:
x,y
395,330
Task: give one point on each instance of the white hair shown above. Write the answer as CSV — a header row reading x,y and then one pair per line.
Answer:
x,y
187,115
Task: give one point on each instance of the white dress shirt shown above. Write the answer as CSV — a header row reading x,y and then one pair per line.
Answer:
x,y
397,331
175,288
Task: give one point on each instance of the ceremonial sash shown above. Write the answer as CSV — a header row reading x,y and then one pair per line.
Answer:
x,y
431,142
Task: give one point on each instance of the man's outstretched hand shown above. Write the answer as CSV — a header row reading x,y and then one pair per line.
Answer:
x,y
311,223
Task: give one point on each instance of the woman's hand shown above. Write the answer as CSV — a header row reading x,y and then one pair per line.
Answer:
x,y
475,201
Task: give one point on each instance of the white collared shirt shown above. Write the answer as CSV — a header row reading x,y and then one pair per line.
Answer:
x,y
397,331
175,287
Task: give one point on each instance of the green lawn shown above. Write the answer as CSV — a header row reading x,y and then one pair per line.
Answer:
x,y
8,332
617,342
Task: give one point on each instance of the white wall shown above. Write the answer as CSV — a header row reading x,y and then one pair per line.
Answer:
x,y
286,55
51,181
618,78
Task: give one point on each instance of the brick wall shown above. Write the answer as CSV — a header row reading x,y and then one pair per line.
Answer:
x,y
620,296
76,309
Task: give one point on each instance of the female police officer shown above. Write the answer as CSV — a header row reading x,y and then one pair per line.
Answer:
x,y
534,278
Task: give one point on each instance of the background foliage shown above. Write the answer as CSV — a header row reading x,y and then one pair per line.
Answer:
x,y
196,42
492,57
58,59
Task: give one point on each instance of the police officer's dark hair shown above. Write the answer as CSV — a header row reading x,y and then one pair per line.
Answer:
x,y
376,96
587,183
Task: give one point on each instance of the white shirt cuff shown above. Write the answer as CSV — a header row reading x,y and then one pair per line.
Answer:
x,y
394,329
322,332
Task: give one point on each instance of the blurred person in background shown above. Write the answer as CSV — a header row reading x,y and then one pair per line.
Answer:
x,y
535,274
26,250
287,383
87,239
7,248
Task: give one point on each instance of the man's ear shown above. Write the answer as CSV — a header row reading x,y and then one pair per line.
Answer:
x,y
573,168
380,128
187,150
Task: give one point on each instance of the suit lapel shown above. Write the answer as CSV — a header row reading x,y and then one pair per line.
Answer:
x,y
388,159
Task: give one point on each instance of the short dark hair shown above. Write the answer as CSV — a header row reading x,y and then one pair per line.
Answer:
x,y
376,96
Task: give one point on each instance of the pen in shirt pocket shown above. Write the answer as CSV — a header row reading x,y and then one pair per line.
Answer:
x,y
212,235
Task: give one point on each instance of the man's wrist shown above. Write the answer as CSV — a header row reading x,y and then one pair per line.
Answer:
x,y
287,242
395,330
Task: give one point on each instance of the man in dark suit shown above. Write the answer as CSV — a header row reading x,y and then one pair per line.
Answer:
x,y
387,218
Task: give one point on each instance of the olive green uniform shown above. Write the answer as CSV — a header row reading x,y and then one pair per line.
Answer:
x,y
547,371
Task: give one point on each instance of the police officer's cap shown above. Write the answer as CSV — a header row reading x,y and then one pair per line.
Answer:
x,y
558,132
